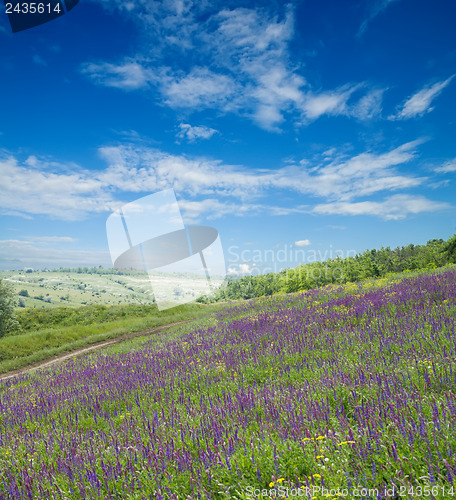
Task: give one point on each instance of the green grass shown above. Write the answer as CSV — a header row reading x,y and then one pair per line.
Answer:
x,y
52,329
47,332
53,289
346,386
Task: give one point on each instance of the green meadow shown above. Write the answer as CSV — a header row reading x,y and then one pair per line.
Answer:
x,y
346,391
45,289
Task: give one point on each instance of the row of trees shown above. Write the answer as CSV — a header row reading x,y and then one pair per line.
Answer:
x,y
369,264
83,270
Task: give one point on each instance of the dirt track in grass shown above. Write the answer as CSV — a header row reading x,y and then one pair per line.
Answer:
x,y
83,350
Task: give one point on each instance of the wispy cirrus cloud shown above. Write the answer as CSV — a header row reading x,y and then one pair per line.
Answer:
x,y
376,8
336,183
336,103
57,190
447,167
392,208
201,88
327,103
53,239
369,106
134,169
240,63
213,208
129,75
421,102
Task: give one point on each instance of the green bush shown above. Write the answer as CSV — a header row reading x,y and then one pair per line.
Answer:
x,y
8,320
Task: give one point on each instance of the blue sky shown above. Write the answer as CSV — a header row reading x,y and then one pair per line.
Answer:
x,y
318,126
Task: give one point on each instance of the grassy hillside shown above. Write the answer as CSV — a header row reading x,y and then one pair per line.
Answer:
x,y
56,288
373,263
340,392
47,332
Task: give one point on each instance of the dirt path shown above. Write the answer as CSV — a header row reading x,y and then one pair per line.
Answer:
x,y
77,352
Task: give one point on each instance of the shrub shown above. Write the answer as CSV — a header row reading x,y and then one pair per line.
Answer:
x,y
8,320
24,293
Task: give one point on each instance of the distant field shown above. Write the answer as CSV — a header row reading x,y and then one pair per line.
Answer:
x,y
55,288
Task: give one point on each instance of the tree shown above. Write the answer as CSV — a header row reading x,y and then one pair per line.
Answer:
x,y
450,249
8,321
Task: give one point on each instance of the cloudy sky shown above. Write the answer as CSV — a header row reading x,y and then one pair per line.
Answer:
x,y
319,125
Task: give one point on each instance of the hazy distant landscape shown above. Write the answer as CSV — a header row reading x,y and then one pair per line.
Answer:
x,y
108,287
85,286
56,288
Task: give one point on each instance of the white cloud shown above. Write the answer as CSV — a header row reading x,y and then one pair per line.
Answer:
x,y
17,254
447,167
186,131
302,243
369,106
420,103
392,208
200,88
53,239
37,186
213,209
254,48
335,103
376,8
129,75
346,178
240,63
327,103
140,169
240,269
